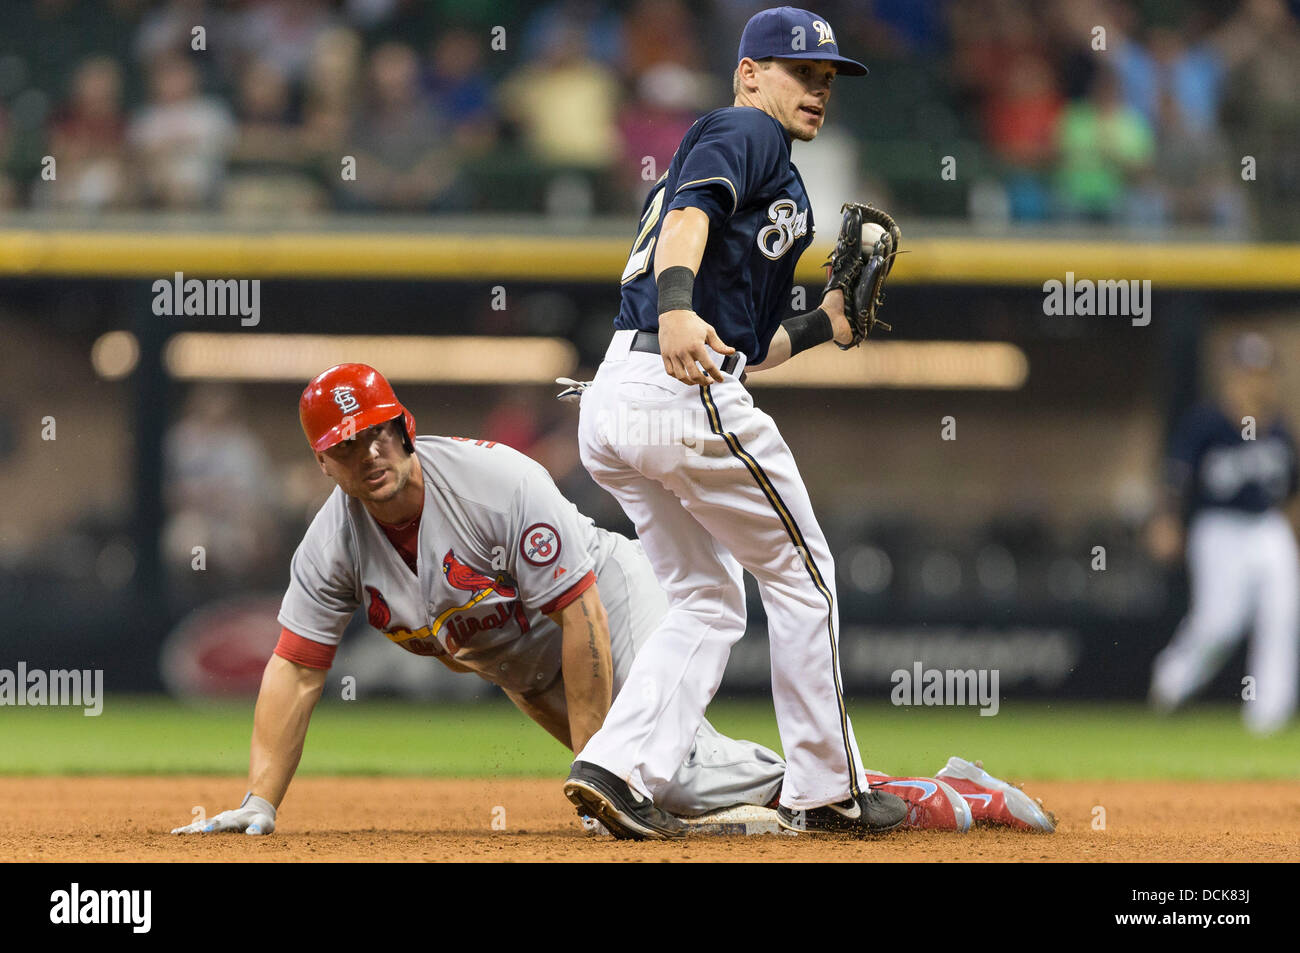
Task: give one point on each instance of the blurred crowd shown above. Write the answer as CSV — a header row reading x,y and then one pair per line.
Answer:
x,y
1149,123
1105,111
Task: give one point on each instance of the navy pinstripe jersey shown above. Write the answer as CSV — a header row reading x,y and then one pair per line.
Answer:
x,y
1212,466
734,164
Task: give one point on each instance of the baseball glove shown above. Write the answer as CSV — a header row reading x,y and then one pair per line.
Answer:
x,y
864,254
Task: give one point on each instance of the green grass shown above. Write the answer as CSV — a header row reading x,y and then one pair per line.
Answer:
x,y
149,735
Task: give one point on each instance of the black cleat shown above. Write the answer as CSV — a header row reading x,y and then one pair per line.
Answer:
x,y
597,793
873,812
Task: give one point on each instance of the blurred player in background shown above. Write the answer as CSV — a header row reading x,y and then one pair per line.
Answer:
x,y
1228,478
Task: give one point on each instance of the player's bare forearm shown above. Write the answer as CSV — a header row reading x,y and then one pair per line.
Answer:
x,y
779,350
1163,535
683,334
682,238
833,305
556,725
285,701
587,665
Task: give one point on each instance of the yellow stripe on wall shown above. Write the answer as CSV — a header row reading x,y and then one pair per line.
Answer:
x,y
1020,262
157,254
332,255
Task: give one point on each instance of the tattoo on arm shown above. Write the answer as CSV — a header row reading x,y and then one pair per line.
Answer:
x,y
591,641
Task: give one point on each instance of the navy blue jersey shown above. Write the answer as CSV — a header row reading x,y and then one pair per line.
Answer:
x,y
1211,465
734,164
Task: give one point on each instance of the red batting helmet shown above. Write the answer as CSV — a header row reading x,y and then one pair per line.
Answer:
x,y
345,400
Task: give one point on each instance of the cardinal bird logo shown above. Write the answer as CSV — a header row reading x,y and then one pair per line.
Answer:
x,y
459,631
379,614
460,576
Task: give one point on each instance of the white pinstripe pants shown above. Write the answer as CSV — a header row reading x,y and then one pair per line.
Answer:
x,y
711,486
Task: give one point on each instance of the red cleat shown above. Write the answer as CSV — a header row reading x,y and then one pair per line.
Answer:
x,y
932,804
994,801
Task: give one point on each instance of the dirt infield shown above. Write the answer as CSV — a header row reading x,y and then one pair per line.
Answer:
x,y
127,819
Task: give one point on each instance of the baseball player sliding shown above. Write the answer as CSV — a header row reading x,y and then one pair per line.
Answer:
x,y
465,550
707,283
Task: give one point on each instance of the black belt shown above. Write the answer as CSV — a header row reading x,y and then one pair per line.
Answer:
x,y
648,342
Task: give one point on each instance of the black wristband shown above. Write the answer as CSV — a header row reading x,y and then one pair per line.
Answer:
x,y
676,289
808,330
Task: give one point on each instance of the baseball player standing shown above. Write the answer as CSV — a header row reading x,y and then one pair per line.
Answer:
x,y
707,281
1228,476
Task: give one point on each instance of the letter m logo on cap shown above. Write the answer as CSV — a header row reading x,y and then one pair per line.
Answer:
x,y
782,32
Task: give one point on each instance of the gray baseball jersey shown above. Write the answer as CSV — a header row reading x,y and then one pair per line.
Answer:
x,y
498,548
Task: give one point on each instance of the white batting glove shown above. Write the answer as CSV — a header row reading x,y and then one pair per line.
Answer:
x,y
254,816
572,389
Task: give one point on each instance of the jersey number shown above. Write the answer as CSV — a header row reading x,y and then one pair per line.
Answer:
x,y
639,260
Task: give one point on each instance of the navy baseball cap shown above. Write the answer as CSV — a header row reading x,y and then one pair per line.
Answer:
x,y
793,34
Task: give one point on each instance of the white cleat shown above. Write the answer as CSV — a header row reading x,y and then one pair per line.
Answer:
x,y
994,801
